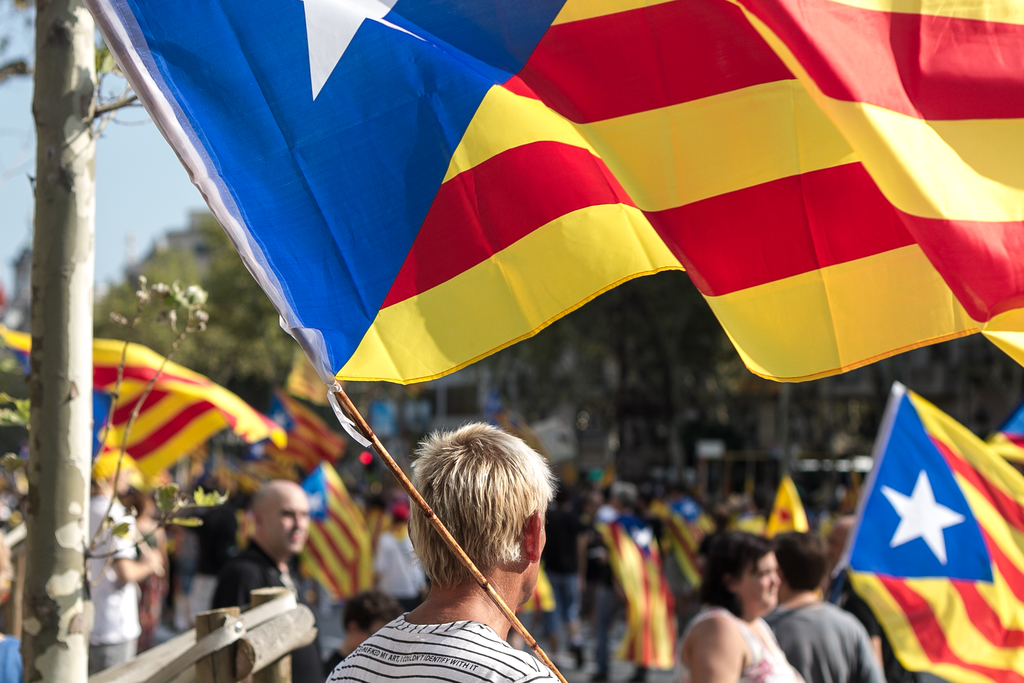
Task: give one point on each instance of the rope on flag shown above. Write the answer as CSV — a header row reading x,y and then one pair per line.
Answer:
x,y
337,554
938,551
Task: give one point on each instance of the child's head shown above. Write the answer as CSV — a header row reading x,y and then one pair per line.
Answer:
x,y
369,611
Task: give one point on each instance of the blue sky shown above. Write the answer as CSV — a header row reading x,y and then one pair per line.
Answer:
x,y
141,187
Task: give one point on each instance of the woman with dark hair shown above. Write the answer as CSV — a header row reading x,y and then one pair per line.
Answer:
x,y
728,641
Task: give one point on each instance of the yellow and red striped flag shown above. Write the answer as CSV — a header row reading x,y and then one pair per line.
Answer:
x,y
303,382
543,597
684,542
337,554
183,410
938,551
788,511
310,440
650,620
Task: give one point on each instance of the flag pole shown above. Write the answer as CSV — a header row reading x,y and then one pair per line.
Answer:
x,y
446,536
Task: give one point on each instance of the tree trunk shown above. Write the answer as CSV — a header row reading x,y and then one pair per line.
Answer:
x,y
58,615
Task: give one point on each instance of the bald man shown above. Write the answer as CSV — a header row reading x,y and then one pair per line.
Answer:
x,y
280,511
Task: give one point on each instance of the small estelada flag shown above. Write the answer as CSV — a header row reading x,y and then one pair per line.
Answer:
x,y
788,512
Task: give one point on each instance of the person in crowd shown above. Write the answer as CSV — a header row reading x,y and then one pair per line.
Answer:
x,y
395,565
280,511
561,562
10,647
607,594
824,643
365,614
492,491
153,588
116,565
841,593
728,640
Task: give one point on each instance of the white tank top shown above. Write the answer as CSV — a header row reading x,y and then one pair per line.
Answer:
x,y
768,662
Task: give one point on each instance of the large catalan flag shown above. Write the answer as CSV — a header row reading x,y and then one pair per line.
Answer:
x,y
338,553
182,411
938,552
633,553
310,440
840,178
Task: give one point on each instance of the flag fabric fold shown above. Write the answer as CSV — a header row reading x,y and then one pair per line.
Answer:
x,y
938,551
787,511
337,554
838,179
182,410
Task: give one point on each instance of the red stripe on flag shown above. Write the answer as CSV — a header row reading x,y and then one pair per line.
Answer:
x,y
682,541
335,550
981,261
483,210
168,429
328,574
985,619
917,64
931,636
1007,507
781,228
103,375
648,58
124,412
1011,573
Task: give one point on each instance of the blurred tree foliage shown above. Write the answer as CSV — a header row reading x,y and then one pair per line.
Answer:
x,y
243,347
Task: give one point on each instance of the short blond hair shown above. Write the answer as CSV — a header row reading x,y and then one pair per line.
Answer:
x,y
483,484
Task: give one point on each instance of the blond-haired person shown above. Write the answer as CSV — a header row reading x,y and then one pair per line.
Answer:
x,y
491,490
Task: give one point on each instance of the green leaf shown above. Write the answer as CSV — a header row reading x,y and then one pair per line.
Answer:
x,y
104,60
186,521
167,497
10,365
205,499
19,415
122,529
11,462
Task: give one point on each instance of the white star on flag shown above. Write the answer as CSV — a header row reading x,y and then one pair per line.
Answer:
x,y
330,27
922,517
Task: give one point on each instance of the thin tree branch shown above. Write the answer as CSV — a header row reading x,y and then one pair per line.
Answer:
x,y
15,68
119,103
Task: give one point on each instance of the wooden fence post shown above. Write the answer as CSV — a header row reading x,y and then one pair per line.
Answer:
x,y
220,666
281,670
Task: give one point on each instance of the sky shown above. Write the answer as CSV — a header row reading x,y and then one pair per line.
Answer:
x,y
141,187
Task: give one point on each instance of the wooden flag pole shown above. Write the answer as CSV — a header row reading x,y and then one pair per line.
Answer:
x,y
414,495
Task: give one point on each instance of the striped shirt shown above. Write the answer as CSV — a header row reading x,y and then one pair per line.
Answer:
x,y
456,652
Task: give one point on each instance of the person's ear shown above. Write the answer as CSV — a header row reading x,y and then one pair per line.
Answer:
x,y
533,537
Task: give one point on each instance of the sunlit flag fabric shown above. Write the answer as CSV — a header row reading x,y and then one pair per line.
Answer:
x,y
787,512
310,440
683,539
182,411
303,382
1008,440
337,554
650,609
840,179
938,552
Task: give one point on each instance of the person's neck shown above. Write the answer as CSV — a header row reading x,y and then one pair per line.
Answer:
x,y
468,602
281,564
791,599
353,639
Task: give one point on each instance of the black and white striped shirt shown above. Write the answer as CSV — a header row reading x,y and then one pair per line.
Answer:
x,y
456,652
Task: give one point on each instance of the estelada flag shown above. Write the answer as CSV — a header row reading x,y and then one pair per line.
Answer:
x,y
181,412
787,512
337,554
938,550
684,542
1008,440
310,440
841,180
633,553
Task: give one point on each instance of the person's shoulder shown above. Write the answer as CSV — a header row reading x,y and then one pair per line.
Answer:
x,y
715,626
843,618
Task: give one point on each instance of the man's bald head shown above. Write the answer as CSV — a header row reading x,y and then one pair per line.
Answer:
x,y
280,511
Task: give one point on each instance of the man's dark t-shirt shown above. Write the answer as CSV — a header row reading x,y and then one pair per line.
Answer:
x,y
253,568
563,529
